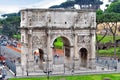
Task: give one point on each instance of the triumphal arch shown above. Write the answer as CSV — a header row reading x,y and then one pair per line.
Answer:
x,y
41,27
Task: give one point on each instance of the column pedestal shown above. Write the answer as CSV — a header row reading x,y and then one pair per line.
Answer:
x,y
76,64
91,64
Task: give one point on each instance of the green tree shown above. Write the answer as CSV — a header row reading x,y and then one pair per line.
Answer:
x,y
114,7
66,4
110,21
1,26
58,43
99,20
0,21
94,3
116,0
11,25
55,6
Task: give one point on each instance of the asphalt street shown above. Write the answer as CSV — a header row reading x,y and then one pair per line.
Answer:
x,y
9,54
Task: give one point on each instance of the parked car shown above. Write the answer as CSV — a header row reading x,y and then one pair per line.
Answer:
x,y
4,43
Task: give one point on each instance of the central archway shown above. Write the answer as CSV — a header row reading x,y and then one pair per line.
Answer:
x,y
61,50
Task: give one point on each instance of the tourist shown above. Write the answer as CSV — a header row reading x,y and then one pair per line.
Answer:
x,y
36,56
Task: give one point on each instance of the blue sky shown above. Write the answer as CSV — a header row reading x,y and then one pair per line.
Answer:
x,y
18,2
11,6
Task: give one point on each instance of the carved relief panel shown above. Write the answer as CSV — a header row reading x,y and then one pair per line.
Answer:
x,y
93,20
41,16
82,20
38,19
35,16
84,39
23,16
39,40
29,18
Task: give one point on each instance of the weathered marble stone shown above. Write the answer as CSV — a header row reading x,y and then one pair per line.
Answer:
x,y
40,28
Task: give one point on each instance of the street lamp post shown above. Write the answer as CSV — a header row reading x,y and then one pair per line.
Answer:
x,y
73,66
64,68
27,65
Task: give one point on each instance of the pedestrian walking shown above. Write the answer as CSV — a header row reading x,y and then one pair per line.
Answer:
x,y
36,56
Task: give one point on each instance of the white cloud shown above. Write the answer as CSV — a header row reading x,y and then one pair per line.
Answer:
x,y
103,6
8,9
47,3
42,4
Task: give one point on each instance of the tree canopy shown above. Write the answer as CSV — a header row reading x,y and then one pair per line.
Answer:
x,y
114,7
94,3
64,4
110,20
87,2
11,24
58,43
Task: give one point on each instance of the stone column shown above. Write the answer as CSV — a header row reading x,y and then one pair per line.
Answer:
x,y
76,56
49,52
30,56
92,57
24,50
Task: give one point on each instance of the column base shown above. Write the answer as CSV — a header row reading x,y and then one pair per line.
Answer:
x,y
76,64
91,63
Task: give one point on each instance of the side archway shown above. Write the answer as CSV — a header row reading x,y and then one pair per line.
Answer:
x,y
83,57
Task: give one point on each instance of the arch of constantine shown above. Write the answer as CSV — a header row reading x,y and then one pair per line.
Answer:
x,y
41,27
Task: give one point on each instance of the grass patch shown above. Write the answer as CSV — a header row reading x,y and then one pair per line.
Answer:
x,y
110,51
81,77
107,38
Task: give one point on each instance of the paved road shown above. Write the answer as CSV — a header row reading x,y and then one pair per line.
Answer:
x,y
11,55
